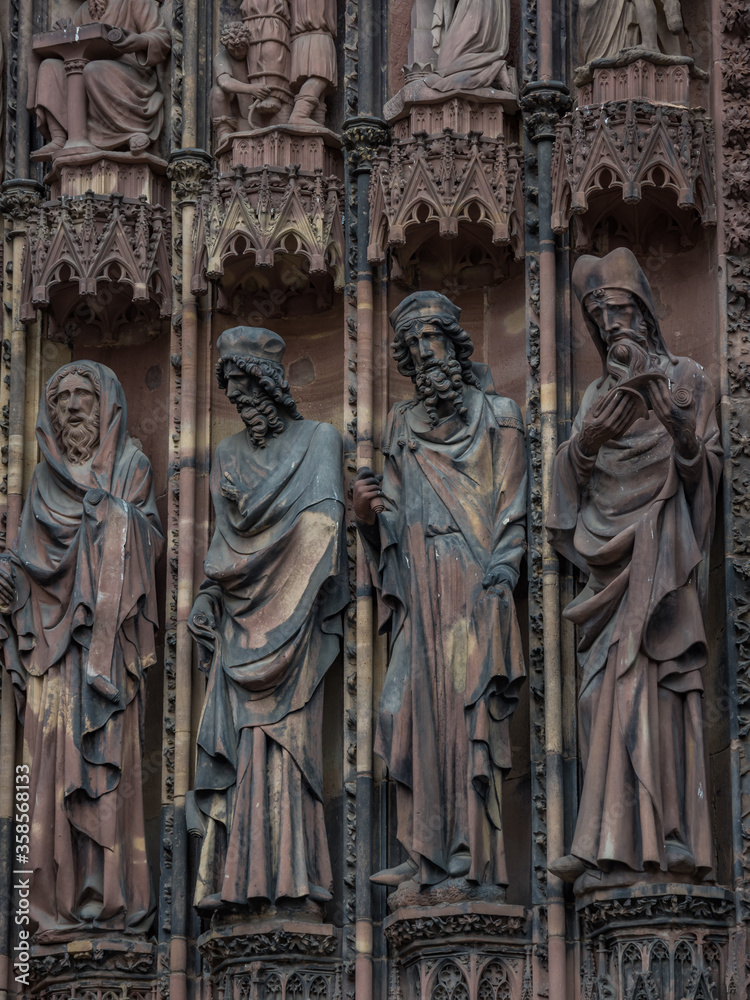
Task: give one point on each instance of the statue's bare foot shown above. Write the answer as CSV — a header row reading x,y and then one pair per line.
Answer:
x,y
48,152
395,876
139,143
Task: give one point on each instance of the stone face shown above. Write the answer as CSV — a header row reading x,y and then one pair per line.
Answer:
x,y
85,561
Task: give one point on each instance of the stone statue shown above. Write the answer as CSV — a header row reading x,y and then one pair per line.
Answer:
x,y
77,633
605,27
124,104
633,505
268,621
313,74
445,535
471,41
234,98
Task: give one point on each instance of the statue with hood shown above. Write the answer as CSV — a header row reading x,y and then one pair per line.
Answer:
x,y
445,533
268,621
77,634
633,505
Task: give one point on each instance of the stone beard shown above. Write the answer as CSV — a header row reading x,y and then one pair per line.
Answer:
x,y
78,438
97,9
260,410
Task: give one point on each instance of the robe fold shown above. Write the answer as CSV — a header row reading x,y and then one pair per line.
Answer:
x,y
473,46
276,578
83,625
456,510
639,521
123,94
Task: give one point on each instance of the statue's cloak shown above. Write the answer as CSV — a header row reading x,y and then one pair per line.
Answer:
x,y
83,620
456,510
276,574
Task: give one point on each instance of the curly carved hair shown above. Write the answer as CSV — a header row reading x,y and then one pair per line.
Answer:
x,y
270,377
460,339
235,33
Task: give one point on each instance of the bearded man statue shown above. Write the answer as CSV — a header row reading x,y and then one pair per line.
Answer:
x,y
77,635
445,535
268,620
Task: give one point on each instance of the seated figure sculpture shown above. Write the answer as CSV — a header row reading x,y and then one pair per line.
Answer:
x,y
268,621
633,505
471,39
124,104
77,635
445,535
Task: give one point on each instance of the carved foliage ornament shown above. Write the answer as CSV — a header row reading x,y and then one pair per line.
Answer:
x,y
93,241
450,179
267,213
631,145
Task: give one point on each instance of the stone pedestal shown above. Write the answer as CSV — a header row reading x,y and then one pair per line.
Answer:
x,y
418,108
93,969
638,75
287,146
639,80
658,941
469,950
133,176
272,957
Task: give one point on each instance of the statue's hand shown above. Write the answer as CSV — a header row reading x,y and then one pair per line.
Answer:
x,y
230,491
63,23
7,585
617,414
366,489
679,421
128,41
94,497
202,617
258,90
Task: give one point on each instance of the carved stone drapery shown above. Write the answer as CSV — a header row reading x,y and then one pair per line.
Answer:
x,y
632,146
275,195
663,942
471,951
453,179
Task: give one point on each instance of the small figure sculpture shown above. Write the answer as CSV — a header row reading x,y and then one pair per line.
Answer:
x,y
77,633
445,535
633,505
268,619
605,27
233,98
124,105
471,39
313,29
